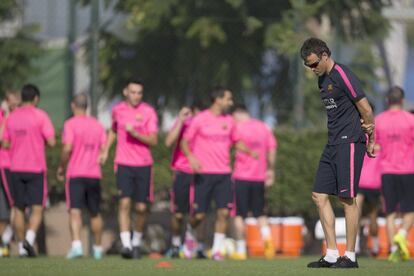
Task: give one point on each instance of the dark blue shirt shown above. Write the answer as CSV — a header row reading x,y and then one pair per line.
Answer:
x,y
340,90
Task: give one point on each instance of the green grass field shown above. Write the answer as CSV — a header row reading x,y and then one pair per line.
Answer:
x,y
117,266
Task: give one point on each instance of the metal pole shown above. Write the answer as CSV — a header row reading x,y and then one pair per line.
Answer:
x,y
70,55
94,37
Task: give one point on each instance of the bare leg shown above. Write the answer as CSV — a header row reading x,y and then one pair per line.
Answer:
x,y
19,223
96,228
352,221
221,221
408,220
35,218
141,209
327,218
391,231
75,223
239,228
123,214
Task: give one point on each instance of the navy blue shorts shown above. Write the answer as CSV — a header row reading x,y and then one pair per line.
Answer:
x,y
340,169
250,196
135,183
209,186
84,192
29,189
181,192
398,192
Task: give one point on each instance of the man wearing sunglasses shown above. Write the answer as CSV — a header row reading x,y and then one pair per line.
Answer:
x,y
350,119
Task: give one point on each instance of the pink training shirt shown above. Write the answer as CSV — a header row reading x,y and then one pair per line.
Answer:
x,y
27,129
179,161
371,173
259,138
129,150
211,137
4,153
395,134
87,136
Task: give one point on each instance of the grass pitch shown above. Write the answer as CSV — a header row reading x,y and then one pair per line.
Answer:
x,y
117,266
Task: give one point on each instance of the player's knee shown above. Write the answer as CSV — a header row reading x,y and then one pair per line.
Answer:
x,y
124,205
178,216
222,214
346,202
319,199
200,216
141,208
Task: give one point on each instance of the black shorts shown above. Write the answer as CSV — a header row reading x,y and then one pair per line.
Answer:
x,y
371,196
250,196
84,193
135,183
339,170
6,199
29,189
208,186
182,192
398,192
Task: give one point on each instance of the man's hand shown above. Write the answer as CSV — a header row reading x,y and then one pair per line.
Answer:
x,y
270,178
194,163
103,156
367,128
371,149
129,128
60,174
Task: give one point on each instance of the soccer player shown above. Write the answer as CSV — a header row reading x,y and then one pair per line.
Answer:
x,y
211,136
341,161
183,177
11,101
83,140
28,129
135,125
251,174
395,136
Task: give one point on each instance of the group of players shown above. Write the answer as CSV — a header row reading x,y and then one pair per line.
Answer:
x,y
203,141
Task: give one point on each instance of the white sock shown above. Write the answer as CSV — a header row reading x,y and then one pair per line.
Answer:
x,y
350,255
126,239
176,241
403,232
136,239
97,248
77,244
375,244
7,235
394,248
241,246
218,242
331,255
22,251
265,231
30,237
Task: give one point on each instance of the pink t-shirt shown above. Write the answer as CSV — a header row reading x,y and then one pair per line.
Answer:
x,y
395,134
87,136
27,129
371,173
129,150
211,137
257,137
4,153
179,161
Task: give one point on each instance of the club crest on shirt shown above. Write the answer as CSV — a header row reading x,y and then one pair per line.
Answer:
x,y
330,87
139,117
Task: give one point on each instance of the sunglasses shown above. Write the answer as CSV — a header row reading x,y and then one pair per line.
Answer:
x,y
313,65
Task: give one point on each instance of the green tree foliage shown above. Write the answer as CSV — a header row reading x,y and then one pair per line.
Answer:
x,y
17,48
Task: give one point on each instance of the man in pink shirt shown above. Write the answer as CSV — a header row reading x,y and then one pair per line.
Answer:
x,y
251,174
211,136
395,136
11,101
135,125
83,140
27,131
183,187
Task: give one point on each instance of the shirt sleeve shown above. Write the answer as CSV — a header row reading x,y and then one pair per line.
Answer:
x,y
152,123
350,83
192,130
235,133
67,135
48,130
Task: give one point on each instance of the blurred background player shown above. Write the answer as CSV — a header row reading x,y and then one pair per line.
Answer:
x,y
253,170
369,195
28,129
83,142
11,101
395,136
183,186
211,136
135,128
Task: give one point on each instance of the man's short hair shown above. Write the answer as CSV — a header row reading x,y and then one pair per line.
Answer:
x,y
315,46
217,92
395,95
134,81
80,101
29,93
240,108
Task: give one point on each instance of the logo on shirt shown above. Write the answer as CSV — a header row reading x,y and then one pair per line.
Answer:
x,y
330,87
139,117
329,103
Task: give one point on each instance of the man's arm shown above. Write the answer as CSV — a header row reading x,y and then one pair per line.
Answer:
x,y
185,147
174,133
64,159
367,123
271,165
150,140
51,142
240,146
